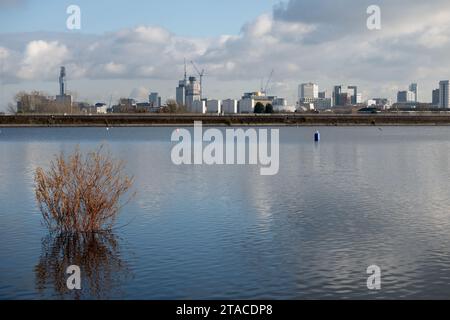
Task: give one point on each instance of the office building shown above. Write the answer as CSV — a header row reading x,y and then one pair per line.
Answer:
x,y
193,90
308,91
444,94
345,95
435,98
413,88
155,100
406,97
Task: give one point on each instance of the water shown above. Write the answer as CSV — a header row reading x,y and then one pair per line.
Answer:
x,y
362,196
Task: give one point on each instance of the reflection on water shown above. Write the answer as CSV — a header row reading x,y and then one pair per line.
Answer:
x,y
97,255
361,197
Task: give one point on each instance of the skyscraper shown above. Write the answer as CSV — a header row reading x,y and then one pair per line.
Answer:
x,y
345,95
354,94
444,94
405,97
154,100
193,90
413,88
181,93
435,98
308,91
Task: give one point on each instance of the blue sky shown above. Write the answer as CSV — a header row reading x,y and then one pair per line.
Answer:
x,y
186,18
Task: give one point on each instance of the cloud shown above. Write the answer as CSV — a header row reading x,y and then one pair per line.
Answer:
x,y
326,41
41,60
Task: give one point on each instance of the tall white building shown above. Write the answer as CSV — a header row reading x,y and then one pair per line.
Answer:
x,y
308,91
444,94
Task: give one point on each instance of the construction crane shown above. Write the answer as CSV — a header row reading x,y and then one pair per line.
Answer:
x,y
201,75
268,82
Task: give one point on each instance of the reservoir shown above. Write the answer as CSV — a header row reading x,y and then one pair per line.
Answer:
x,y
364,196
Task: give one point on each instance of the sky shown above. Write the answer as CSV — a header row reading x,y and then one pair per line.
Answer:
x,y
130,48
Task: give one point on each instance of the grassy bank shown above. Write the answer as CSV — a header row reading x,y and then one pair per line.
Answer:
x,y
118,120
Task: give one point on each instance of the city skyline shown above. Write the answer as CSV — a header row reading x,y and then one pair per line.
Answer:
x,y
303,41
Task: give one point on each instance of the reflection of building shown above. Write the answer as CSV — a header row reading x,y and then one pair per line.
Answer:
x,y
444,94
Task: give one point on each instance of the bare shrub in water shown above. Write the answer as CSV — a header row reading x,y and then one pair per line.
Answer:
x,y
81,193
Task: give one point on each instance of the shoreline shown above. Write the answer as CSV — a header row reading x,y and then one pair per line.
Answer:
x,y
242,120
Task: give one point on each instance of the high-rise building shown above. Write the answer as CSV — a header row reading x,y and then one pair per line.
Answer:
x,y
193,91
406,97
181,93
353,91
413,88
63,99
308,91
155,100
444,94
345,95
435,98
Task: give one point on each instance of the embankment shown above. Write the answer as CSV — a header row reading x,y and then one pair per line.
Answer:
x,y
117,120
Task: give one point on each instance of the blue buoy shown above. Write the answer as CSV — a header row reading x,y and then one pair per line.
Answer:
x,y
317,136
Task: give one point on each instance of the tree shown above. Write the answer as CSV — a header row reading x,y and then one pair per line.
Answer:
x,y
172,107
259,108
12,109
269,108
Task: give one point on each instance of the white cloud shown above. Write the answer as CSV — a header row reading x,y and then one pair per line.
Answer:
x,y
322,40
115,68
41,60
